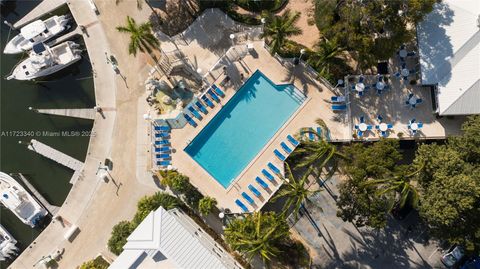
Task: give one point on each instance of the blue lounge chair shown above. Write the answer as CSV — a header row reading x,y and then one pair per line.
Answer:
x,y
218,91
292,140
162,128
419,100
337,99
412,120
360,94
339,107
410,54
190,120
319,131
247,198
356,127
362,119
274,168
162,135
241,205
360,133
286,148
162,156
420,124
279,155
162,142
207,101
377,127
261,183
311,135
327,134
267,175
254,190
194,112
163,163
389,126
369,127
384,134
201,107
379,118
361,79
214,97
407,103
162,149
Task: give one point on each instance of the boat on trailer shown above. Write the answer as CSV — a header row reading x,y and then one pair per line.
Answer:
x,y
7,244
44,61
36,32
14,197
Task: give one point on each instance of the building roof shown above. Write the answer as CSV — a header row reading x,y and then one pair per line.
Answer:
x,y
449,47
170,239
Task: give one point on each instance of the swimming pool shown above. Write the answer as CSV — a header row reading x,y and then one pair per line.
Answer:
x,y
243,127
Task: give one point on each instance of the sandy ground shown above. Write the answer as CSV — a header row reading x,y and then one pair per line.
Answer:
x,y
310,34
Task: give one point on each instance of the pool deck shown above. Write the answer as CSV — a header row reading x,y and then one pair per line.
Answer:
x,y
313,108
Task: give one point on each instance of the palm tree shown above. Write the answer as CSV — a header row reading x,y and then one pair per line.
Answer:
x,y
141,37
257,234
279,28
324,56
295,190
401,184
319,152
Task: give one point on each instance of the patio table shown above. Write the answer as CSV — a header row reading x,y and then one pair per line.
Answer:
x,y
383,127
380,85
405,72
403,53
362,127
412,100
414,126
359,87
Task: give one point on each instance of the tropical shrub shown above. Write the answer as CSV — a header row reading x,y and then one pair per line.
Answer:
x,y
258,6
176,181
148,204
206,205
258,234
97,263
119,235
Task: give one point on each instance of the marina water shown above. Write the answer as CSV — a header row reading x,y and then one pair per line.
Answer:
x,y
69,88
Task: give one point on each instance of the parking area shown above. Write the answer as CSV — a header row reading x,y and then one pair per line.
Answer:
x,y
338,244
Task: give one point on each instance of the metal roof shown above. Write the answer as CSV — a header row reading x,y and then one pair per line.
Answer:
x,y
449,47
176,238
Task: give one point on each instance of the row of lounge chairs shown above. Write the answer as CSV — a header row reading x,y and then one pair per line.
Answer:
x,y
199,106
272,169
311,133
162,147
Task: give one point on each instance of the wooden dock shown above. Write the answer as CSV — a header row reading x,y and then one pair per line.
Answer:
x,y
58,157
50,208
45,7
81,113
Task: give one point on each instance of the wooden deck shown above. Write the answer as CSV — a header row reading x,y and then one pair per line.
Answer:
x,y
45,7
81,113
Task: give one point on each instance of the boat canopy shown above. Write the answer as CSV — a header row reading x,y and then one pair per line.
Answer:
x,y
33,29
38,48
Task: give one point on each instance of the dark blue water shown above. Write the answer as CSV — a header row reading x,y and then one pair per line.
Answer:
x,y
69,88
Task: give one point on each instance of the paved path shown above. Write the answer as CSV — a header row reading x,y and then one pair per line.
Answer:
x,y
46,6
81,113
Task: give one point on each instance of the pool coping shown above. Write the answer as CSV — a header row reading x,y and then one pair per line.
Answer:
x,y
269,141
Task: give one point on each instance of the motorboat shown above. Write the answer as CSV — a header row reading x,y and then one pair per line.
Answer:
x,y
36,32
44,61
14,197
7,244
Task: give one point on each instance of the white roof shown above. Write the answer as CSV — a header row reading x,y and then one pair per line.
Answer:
x,y
170,239
449,47
32,29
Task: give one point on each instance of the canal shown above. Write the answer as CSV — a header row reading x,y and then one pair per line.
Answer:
x,y
69,88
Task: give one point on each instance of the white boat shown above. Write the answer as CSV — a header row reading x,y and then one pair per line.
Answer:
x,y
7,244
44,61
19,201
36,32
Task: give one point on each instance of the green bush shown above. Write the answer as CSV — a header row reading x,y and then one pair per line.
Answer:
x,y
258,6
151,203
206,205
97,263
118,239
176,181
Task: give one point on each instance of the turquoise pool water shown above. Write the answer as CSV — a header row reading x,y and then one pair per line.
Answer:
x,y
243,127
